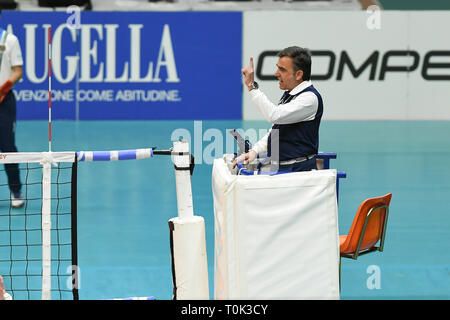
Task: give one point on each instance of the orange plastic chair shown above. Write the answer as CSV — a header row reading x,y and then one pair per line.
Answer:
x,y
368,227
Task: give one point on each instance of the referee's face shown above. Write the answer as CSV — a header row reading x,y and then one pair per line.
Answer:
x,y
287,77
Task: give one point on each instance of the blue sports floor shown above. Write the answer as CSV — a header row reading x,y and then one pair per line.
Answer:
x,y
124,207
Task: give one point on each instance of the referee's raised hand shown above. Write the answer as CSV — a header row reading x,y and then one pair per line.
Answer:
x,y
249,74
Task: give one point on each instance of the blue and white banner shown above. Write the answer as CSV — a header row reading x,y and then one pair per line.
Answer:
x,y
130,65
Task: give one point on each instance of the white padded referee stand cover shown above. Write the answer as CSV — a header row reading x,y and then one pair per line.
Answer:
x,y
276,237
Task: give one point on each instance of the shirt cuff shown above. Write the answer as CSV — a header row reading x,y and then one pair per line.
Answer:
x,y
258,149
254,93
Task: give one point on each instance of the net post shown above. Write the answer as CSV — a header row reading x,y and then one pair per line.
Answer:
x,y
187,234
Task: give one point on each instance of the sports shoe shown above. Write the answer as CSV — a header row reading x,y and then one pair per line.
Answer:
x,y
16,199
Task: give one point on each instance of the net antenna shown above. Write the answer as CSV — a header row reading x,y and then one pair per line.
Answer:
x,y
46,190
50,89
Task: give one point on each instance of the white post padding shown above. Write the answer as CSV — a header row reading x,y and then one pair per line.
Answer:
x,y
189,258
188,242
183,180
276,237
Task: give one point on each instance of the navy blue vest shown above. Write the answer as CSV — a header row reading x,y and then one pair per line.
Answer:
x,y
298,139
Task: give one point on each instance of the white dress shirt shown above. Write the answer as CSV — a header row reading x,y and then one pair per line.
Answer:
x,y
12,56
302,108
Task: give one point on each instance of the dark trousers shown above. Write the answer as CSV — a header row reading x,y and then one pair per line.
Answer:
x,y
307,165
7,138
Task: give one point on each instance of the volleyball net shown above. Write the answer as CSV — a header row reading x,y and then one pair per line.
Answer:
x,y
38,241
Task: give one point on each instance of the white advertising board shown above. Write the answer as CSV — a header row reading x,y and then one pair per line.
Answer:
x,y
377,65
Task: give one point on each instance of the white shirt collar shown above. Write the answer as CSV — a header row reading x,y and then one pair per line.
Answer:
x,y
302,86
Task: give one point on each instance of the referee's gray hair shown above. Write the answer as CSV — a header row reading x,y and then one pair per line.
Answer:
x,y
301,58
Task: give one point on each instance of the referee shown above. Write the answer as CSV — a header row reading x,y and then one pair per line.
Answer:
x,y
10,72
295,120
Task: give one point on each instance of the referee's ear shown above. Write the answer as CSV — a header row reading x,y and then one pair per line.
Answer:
x,y
299,75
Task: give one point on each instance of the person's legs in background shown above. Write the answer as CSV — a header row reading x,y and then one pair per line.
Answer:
x,y
7,144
